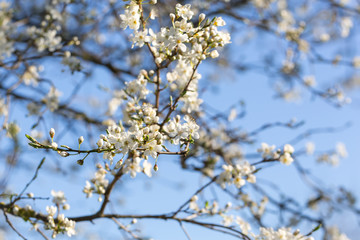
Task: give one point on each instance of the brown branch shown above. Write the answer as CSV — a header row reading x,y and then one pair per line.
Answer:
x,y
63,109
108,191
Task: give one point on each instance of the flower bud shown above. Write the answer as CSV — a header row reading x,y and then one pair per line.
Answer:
x,y
206,35
214,54
63,153
228,205
15,210
156,168
66,207
67,54
158,60
81,140
172,17
54,145
52,133
201,17
107,167
143,72
118,164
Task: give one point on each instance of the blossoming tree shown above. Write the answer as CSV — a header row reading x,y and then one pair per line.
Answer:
x,y
117,86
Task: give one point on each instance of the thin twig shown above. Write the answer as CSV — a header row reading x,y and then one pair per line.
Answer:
x,y
32,180
12,226
125,228
184,230
197,192
42,234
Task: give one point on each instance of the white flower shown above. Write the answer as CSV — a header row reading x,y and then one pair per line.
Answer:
x,y
193,205
239,182
286,158
48,40
309,81
280,234
147,168
33,108
288,148
232,115
335,234
310,148
214,54
51,210
52,99
227,220
131,18
268,151
3,107
58,197
244,226
152,149
226,176
140,38
133,166
356,61
88,189
31,76
219,22
341,150
346,24
72,62
184,11
12,129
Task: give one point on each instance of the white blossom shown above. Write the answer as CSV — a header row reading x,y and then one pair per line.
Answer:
x,y
52,99
58,197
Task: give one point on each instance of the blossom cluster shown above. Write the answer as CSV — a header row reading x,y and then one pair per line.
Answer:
x,y
45,36
55,221
333,157
189,43
269,152
98,183
282,233
6,30
184,42
237,175
217,143
208,208
335,234
144,139
59,224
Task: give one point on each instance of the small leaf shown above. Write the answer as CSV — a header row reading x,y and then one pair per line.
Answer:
x,y
30,138
34,145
